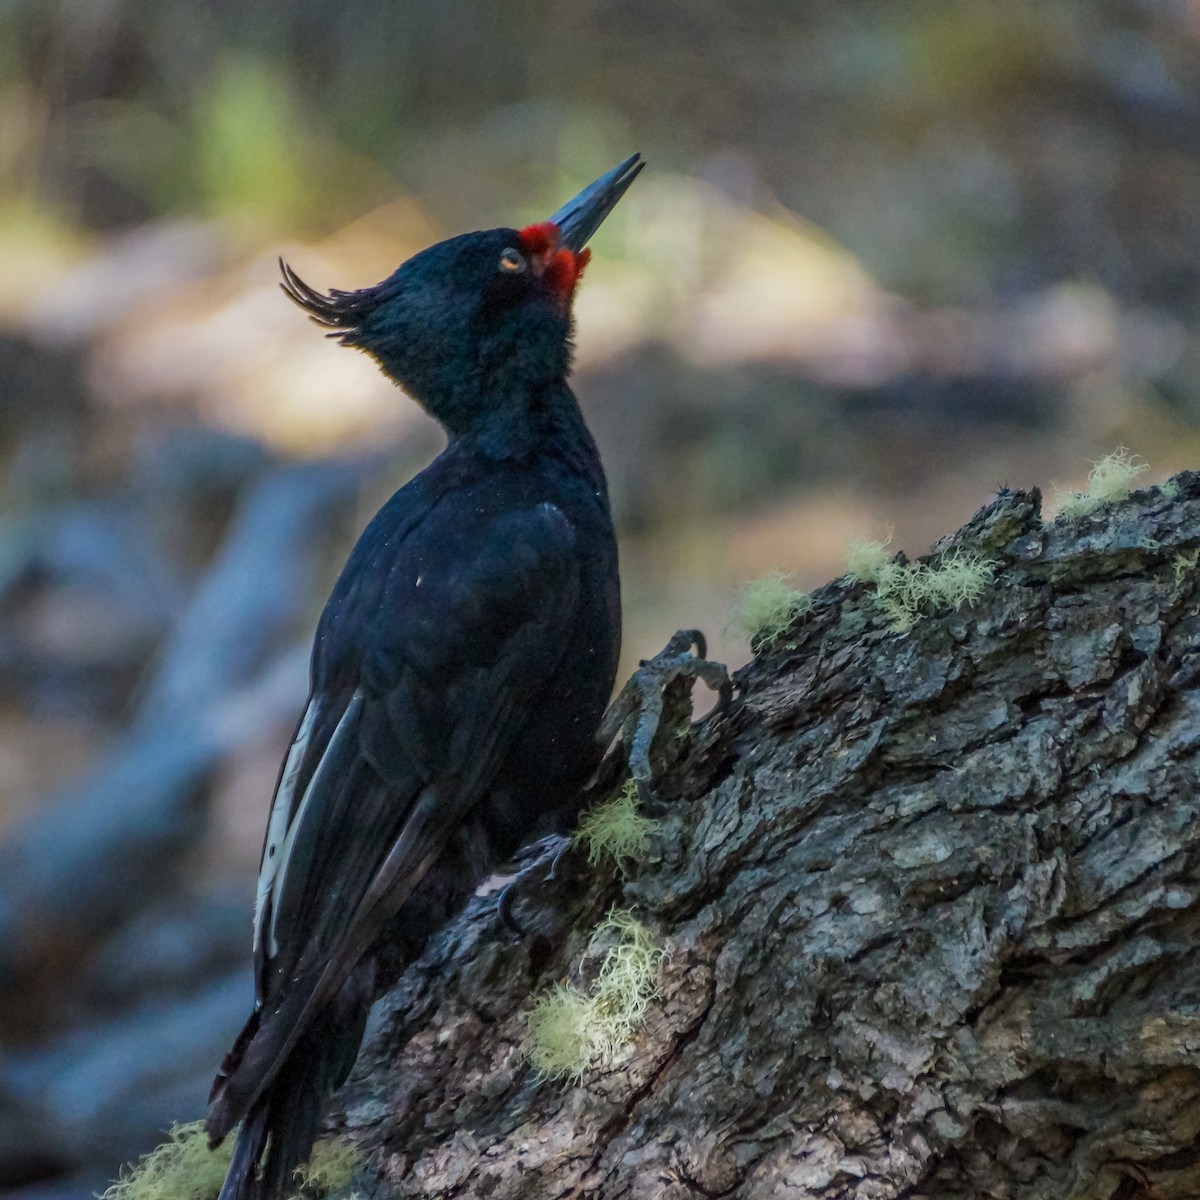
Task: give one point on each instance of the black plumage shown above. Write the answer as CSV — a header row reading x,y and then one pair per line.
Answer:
x,y
459,673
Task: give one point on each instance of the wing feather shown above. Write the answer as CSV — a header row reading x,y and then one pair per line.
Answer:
x,y
282,813
338,755
422,685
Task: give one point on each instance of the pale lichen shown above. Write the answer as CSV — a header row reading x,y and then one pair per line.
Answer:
x,y
564,1039
1110,479
907,590
616,830
867,560
571,1030
184,1168
328,1169
767,606
1183,565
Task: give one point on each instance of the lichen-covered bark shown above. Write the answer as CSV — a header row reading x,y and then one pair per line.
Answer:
x,y
931,901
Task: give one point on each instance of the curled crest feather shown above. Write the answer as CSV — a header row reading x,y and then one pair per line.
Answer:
x,y
341,312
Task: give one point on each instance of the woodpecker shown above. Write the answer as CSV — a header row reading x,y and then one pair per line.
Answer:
x,y
459,673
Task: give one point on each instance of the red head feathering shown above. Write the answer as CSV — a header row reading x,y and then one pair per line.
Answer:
x,y
537,239
561,268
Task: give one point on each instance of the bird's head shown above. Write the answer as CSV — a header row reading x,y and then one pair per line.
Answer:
x,y
478,316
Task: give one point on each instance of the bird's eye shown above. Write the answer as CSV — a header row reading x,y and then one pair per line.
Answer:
x,y
512,262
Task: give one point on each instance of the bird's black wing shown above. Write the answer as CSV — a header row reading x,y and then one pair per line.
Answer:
x,y
428,664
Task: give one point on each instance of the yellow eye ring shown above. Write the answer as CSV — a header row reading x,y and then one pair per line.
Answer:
x,y
512,262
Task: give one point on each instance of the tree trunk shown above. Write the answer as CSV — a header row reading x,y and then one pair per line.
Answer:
x,y
930,900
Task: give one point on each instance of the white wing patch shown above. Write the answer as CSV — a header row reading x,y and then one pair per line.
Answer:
x,y
277,823
349,717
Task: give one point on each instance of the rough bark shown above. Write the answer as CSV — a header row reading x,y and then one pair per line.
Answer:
x,y
931,901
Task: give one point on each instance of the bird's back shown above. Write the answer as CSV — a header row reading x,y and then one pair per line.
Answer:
x,y
445,549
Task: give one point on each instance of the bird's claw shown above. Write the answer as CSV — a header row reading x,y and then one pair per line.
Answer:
x,y
661,685
508,894
504,910
636,715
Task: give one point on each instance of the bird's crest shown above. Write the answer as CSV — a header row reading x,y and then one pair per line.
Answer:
x,y
338,311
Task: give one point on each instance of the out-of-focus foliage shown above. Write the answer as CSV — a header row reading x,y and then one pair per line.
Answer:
x,y
888,255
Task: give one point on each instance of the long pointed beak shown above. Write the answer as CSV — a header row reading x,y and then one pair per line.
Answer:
x,y
579,218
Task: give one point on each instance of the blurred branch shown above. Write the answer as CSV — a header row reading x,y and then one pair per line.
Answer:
x,y
95,853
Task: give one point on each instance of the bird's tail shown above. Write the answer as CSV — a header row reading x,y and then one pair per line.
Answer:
x,y
279,1128
277,1135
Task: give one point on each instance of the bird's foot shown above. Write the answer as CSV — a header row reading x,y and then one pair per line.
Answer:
x,y
504,910
509,894
658,697
658,694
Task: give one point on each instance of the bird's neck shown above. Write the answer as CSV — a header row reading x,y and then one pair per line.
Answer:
x,y
542,423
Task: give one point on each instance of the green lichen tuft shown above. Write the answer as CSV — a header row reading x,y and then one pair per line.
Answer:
x,y
767,606
867,560
571,1030
616,830
960,578
329,1168
1183,565
628,978
184,1168
563,1036
1109,479
906,591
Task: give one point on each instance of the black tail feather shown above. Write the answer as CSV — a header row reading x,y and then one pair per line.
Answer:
x,y
294,1119
241,1178
277,1133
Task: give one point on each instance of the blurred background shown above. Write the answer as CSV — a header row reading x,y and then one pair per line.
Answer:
x,y
888,255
